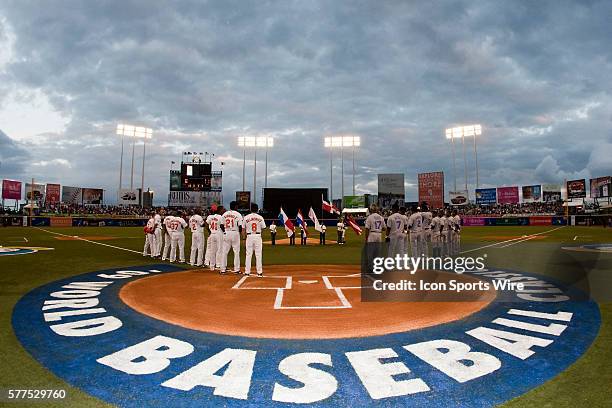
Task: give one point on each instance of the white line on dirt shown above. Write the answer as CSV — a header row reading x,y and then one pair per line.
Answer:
x,y
519,239
90,241
517,242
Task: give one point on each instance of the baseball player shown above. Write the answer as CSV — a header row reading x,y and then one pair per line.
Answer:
x,y
404,236
166,234
231,223
426,239
196,225
150,245
436,232
457,233
177,227
322,234
374,225
415,230
273,232
214,244
251,229
158,234
448,237
395,230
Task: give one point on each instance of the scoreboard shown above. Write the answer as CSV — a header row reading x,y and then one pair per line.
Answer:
x,y
196,176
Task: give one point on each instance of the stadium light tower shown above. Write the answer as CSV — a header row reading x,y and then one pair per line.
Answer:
x,y
254,142
135,132
463,132
341,142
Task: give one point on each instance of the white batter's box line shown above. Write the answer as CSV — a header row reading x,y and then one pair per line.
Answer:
x,y
278,302
329,285
288,283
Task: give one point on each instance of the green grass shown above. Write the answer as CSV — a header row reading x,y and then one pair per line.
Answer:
x,y
586,383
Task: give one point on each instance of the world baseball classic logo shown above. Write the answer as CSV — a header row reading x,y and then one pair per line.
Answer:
x,y
158,335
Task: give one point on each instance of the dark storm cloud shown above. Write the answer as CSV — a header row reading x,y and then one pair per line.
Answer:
x,y
535,74
13,158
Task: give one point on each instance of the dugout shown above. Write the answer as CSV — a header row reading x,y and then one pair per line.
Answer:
x,y
292,199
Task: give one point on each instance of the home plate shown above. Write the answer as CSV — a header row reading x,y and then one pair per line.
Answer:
x,y
308,282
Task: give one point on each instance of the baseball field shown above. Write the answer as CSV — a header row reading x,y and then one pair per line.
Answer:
x,y
34,357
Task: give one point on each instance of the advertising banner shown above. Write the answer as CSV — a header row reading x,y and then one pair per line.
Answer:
x,y
243,200
175,180
35,192
391,189
201,199
576,189
540,220
128,197
600,187
11,189
53,194
93,196
532,193
72,195
474,221
508,195
486,196
354,201
431,189
551,193
216,181
459,197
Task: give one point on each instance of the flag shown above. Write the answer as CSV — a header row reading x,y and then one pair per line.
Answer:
x,y
314,219
330,208
282,217
299,220
353,224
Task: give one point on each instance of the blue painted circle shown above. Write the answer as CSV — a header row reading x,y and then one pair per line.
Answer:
x,y
599,247
15,251
74,358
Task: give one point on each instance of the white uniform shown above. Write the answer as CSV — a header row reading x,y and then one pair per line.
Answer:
x,y
375,223
253,224
456,234
150,245
158,234
436,238
396,224
177,237
446,235
167,239
196,224
405,236
214,244
231,220
426,240
415,228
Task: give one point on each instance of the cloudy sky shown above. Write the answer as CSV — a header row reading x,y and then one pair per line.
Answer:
x,y
536,75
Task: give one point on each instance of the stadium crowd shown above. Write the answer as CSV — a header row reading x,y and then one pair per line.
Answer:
x,y
537,208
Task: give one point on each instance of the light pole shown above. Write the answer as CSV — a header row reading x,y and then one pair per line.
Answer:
x,y
341,142
463,132
255,142
120,132
135,132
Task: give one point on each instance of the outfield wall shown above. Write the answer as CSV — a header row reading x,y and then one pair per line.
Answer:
x,y
468,221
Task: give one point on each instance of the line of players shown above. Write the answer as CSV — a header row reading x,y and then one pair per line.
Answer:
x,y
224,229
439,230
